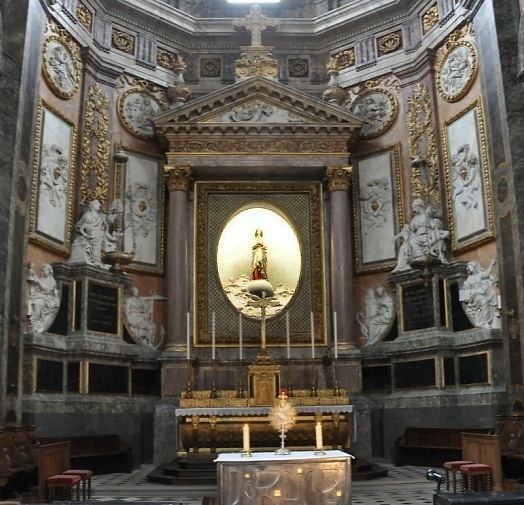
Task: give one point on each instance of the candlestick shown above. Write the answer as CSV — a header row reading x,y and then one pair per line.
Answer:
x,y
312,336
245,438
318,437
288,343
213,336
335,334
240,336
188,337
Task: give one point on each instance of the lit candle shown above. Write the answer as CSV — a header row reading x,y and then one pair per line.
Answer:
x,y
318,436
245,437
499,301
288,347
213,336
240,336
188,337
335,334
312,337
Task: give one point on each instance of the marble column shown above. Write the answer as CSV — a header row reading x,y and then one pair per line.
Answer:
x,y
341,246
177,275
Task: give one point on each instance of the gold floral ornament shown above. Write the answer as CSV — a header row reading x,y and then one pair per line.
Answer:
x,y
94,178
166,59
123,41
282,416
430,18
390,42
250,64
84,16
61,63
456,65
345,58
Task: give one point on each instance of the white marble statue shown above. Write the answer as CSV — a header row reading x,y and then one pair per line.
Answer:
x,y
43,298
139,315
423,236
375,204
96,232
466,178
378,314
479,298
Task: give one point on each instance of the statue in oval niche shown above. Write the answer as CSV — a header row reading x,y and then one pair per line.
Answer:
x,y
259,243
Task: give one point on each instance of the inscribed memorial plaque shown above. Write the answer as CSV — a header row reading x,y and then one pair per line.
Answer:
x,y
102,308
417,306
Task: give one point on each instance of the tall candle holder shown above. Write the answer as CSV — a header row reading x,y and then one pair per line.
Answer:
x,y
314,389
289,390
213,383
336,389
240,392
189,391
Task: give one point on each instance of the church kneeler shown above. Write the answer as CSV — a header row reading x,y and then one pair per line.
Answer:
x,y
63,485
85,475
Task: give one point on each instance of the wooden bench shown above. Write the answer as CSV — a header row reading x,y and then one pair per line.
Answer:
x,y
430,446
98,453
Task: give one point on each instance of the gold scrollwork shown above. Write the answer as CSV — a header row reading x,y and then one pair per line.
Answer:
x,y
261,146
422,146
61,62
94,177
430,18
84,16
345,59
390,42
250,64
166,59
338,178
123,41
177,178
456,64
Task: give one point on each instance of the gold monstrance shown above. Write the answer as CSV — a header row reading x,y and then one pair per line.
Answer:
x,y
283,417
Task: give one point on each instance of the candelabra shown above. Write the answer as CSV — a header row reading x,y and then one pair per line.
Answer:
x,y
189,391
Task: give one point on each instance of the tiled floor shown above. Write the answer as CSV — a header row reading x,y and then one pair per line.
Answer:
x,y
403,486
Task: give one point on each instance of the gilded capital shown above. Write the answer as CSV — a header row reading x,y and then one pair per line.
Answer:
x,y
177,178
338,178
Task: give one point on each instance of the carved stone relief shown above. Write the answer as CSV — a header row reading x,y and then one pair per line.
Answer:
x,y
84,16
43,298
430,18
61,64
166,59
138,312
378,315
210,67
298,67
456,65
123,41
389,43
479,296
345,59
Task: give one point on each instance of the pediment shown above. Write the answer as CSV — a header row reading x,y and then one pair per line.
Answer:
x,y
254,102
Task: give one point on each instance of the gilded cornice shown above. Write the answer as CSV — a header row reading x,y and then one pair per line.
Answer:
x,y
177,178
338,178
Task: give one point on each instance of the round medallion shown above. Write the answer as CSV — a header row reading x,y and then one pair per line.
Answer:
x,y
378,110
136,108
60,67
457,71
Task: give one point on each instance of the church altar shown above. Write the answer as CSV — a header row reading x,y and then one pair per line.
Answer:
x,y
214,429
303,477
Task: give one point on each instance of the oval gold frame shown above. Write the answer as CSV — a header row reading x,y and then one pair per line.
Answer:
x,y
72,50
123,119
471,78
389,122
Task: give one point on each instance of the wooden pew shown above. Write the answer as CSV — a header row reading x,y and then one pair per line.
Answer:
x,y
53,459
483,448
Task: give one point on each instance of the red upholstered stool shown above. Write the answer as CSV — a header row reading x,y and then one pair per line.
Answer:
x,y
85,475
62,486
453,467
476,477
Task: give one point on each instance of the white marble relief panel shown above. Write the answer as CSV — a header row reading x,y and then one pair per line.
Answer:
x,y
51,219
467,175
375,209
142,208
257,111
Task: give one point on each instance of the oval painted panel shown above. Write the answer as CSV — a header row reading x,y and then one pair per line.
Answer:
x,y
259,243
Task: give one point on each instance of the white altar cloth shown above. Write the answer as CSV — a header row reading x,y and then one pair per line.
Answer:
x,y
236,457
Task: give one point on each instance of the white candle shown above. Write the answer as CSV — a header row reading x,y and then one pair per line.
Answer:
x,y
240,336
213,336
245,437
312,337
188,337
335,334
318,436
288,346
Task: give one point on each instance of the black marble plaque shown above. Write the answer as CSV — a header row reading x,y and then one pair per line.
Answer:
x,y
49,376
60,324
459,320
102,308
376,378
78,306
415,374
73,377
417,306
449,371
108,378
473,369
145,381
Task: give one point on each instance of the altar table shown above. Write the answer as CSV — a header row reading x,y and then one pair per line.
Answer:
x,y
301,478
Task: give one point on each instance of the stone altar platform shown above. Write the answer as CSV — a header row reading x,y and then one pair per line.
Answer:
x,y
303,477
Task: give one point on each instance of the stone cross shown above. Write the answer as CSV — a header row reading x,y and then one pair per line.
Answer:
x,y
255,22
